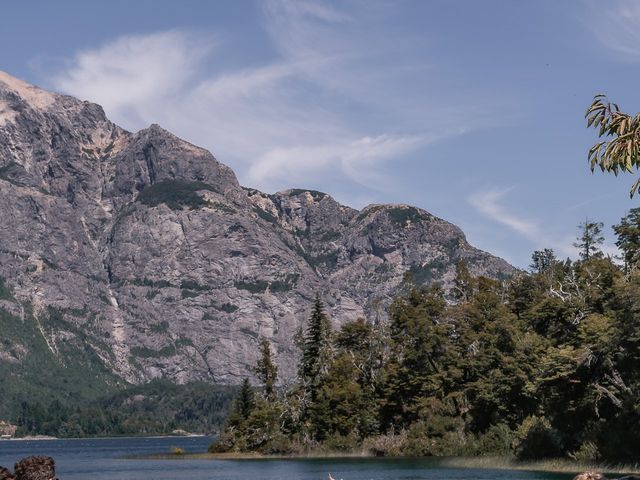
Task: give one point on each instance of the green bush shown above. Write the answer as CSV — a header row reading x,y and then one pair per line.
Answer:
x,y
497,440
588,452
342,443
229,307
387,445
536,439
259,286
5,291
281,444
439,437
176,194
226,442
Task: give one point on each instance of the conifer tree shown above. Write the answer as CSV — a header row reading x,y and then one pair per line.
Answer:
x,y
314,350
590,239
628,232
463,283
266,370
244,404
542,260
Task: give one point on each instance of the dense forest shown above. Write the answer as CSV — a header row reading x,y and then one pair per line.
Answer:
x,y
545,364
156,408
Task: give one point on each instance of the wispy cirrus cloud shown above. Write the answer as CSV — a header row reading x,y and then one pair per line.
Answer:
x,y
490,203
617,25
493,204
133,72
336,99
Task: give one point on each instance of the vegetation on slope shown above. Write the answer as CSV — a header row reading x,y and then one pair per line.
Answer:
x,y
156,408
36,367
60,386
176,194
546,364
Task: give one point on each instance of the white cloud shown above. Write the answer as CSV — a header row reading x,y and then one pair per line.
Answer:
x,y
492,203
133,71
355,158
617,25
488,203
337,100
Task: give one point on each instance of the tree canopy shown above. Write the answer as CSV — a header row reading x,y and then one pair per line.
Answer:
x,y
545,364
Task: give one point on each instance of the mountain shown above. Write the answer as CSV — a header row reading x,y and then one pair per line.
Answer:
x,y
139,255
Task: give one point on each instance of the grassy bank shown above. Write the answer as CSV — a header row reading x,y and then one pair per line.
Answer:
x,y
559,465
486,463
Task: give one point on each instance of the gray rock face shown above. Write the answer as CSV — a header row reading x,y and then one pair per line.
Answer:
x,y
169,267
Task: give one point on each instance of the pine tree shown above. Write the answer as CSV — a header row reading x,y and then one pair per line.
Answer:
x,y
243,405
542,260
628,232
266,370
590,239
463,283
314,350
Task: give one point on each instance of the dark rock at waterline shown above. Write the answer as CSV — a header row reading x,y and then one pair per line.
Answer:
x,y
599,476
31,468
35,468
5,474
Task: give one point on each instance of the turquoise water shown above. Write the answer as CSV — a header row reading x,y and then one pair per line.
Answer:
x,y
102,459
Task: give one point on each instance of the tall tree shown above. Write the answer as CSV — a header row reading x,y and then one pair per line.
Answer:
x,y
542,260
314,350
619,147
463,283
590,239
244,404
420,354
628,232
266,369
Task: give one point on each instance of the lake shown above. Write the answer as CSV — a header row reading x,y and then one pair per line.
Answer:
x,y
102,459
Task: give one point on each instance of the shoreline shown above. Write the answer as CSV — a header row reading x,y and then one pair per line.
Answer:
x,y
483,463
33,438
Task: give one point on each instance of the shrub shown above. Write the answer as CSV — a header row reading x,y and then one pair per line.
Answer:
x,y
5,291
176,194
388,445
281,444
439,437
536,439
497,440
259,286
588,452
229,307
341,443
226,442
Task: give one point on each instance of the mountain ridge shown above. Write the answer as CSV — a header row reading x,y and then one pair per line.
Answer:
x,y
162,265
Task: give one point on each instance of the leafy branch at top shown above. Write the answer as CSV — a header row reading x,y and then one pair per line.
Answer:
x,y
619,147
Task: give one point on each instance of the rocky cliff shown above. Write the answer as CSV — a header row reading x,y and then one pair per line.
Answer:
x,y
143,252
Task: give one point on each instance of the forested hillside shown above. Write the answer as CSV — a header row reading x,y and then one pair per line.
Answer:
x,y
156,408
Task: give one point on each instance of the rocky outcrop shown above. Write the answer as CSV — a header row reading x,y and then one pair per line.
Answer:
x,y
145,250
31,468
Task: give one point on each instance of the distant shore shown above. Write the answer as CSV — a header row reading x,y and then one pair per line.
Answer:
x,y
484,463
30,437
47,437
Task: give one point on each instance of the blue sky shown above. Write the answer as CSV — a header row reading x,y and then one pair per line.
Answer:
x,y
472,110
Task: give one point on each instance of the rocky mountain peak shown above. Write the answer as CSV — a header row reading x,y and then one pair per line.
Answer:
x,y
34,96
140,252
